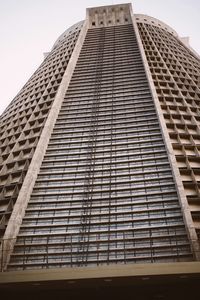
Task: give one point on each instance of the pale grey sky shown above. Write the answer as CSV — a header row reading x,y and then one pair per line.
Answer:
x,y
30,27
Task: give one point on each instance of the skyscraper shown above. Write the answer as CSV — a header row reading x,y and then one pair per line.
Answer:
x,y
100,155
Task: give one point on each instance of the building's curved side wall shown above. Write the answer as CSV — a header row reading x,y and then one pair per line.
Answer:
x,y
175,72
23,121
28,183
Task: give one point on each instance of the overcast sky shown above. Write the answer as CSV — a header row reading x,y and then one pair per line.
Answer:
x,y
28,28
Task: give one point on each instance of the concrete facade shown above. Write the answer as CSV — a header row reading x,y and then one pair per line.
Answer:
x,y
165,75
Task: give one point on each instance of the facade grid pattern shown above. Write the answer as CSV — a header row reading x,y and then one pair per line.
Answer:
x,y
23,121
176,74
105,191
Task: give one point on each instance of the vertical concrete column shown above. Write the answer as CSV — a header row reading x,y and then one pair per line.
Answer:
x,y
177,178
16,218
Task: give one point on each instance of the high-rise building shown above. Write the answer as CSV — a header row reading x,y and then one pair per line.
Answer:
x,y
100,159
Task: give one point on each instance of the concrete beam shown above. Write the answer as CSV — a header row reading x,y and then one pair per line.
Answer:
x,y
111,272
